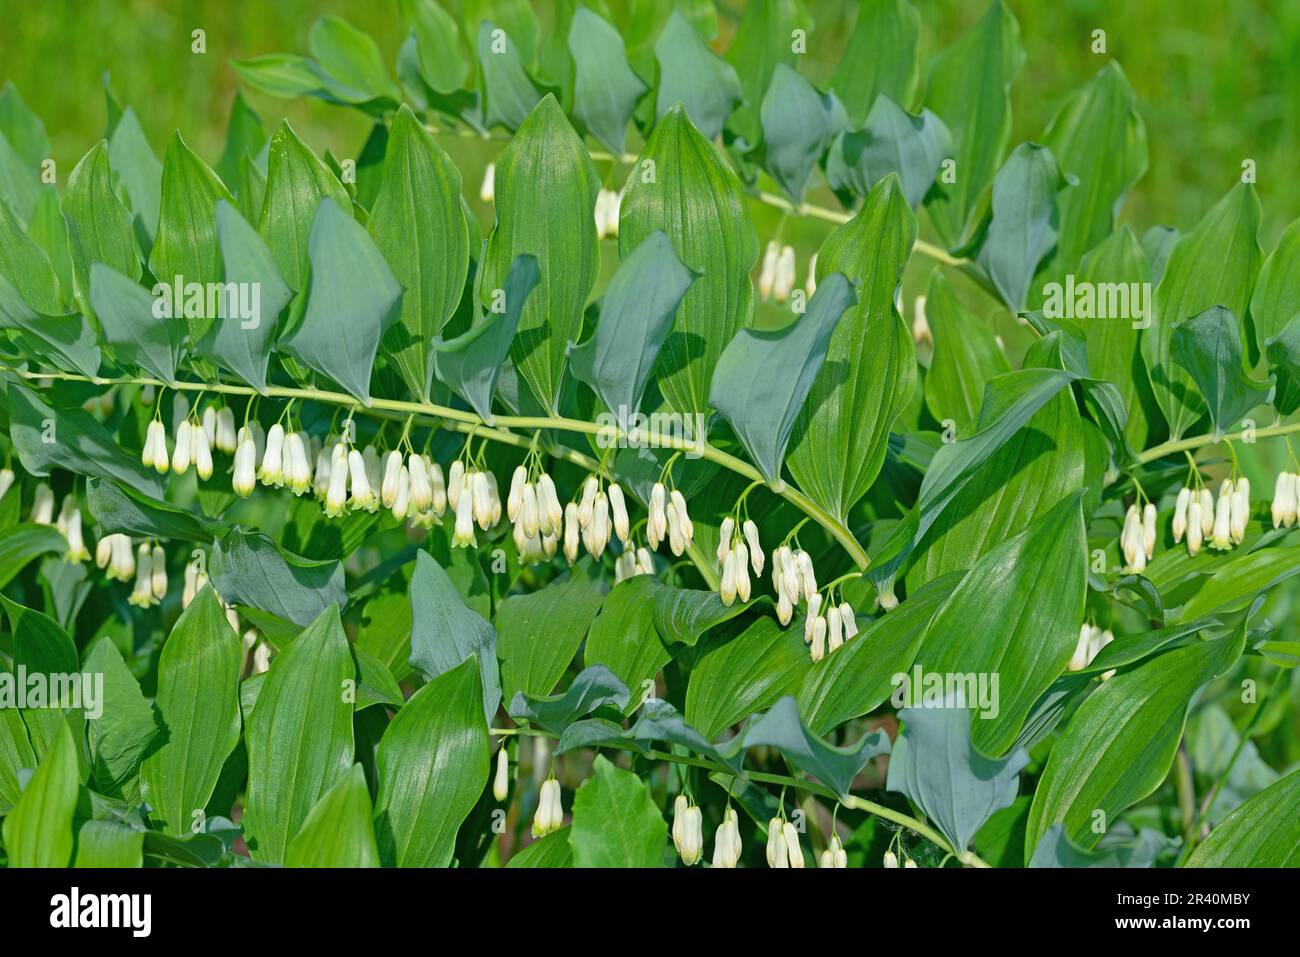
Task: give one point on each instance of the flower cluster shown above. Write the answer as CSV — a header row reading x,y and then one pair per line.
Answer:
x,y
1202,519
777,276
783,848
1137,541
827,624
739,550
834,856
688,834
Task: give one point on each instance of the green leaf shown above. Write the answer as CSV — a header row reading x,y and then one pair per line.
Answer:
x,y
338,832
763,377
605,90
27,267
782,728
286,75
799,123
553,850
244,136
1283,351
968,87
442,59
137,334
445,631
1025,221
19,183
860,675
125,728
1208,346
38,831
508,95
1261,832
67,341
99,226
109,844
48,228
243,345
138,171
539,632
84,446
615,821
986,627
1098,138
838,446
351,58
595,687
683,615
433,764
418,225
892,141
186,245
636,315
296,182
124,510
1036,465
693,75
623,638
764,39
198,711
935,763
752,671
16,754
42,646
299,735
1011,400
1121,741
696,199
353,300
22,544
1114,345
1236,582
470,364
1212,265
880,57
1273,303
24,130
966,356
249,569
546,190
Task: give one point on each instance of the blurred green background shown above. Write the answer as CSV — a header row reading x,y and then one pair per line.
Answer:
x,y
1217,82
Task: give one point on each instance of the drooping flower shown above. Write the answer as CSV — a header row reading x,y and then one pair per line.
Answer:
x,y
1221,532
777,856
1239,510
142,595
158,574
224,440
154,455
618,511
183,451
834,856
1285,499
1179,526
726,841
336,496
767,274
792,847
42,505
785,275
550,812
271,471
69,524
501,782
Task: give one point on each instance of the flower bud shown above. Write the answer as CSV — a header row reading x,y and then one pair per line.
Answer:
x,y
551,517
1221,534
486,190
439,485
455,482
777,855
618,510
7,481
571,531
786,274
1149,530
362,495
1239,510
834,630
514,498
201,451
848,619
588,500
818,649
792,847
337,493
1180,514
224,439
43,505
756,558
1207,513
767,274
1194,526
891,859
528,512
463,534
726,531
158,576
142,593
501,783
392,478
402,501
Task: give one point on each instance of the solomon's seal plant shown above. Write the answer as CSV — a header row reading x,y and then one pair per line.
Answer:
x,y
535,528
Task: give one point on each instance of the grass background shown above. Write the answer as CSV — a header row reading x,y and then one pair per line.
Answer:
x,y
1216,82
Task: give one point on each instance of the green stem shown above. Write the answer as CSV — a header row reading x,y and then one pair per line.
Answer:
x,y
1197,441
